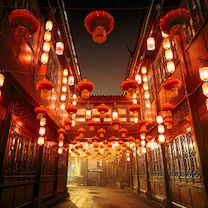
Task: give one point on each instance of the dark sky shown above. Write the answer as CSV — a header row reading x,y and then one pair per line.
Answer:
x,y
105,64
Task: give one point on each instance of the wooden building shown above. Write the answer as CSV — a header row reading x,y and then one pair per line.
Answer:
x,y
163,160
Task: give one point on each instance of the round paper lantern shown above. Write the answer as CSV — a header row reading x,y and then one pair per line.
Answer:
x,y
85,87
116,124
99,24
67,124
129,86
171,85
81,132
44,86
91,123
49,25
24,22
101,132
71,109
174,19
40,111
203,72
102,109
123,132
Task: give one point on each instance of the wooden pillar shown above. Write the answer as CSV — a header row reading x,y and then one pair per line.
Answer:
x,y
56,176
166,179
67,162
36,190
138,183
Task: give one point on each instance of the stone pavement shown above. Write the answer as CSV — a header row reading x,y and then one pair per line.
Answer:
x,y
101,197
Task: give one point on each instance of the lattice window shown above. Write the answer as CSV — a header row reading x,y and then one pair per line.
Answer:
x,y
155,162
181,157
142,165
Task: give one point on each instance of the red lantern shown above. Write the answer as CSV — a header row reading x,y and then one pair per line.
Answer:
x,y
99,24
174,19
113,139
142,123
172,85
102,109
95,139
71,109
24,22
129,86
168,107
61,132
123,132
43,69
67,124
105,141
89,142
44,86
116,124
135,108
78,139
167,114
85,87
168,121
81,132
40,111
131,139
91,123
101,132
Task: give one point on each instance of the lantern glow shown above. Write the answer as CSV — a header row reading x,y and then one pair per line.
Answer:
x,y
146,95
65,72
147,103
115,115
166,43
159,119
145,86
205,88
143,143
150,44
168,54
63,97
59,48
64,88
161,138
144,78
60,150
62,106
170,66
71,80
64,80
88,114
203,73
138,78
41,140
161,128
46,46
44,58
42,121
2,77
47,36
42,131
49,25
144,70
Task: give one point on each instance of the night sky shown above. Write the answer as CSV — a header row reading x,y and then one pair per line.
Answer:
x,y
105,64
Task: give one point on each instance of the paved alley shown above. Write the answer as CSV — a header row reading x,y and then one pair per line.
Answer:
x,y
101,197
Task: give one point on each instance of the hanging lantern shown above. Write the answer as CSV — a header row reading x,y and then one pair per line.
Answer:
x,y
49,25
40,111
161,129
74,102
61,133
144,70
134,101
135,108
47,36
41,140
146,95
2,77
150,44
85,87
102,109
136,119
207,103
168,54
168,121
78,139
203,72
147,103
144,78
71,109
144,150
134,95
166,43
91,124
63,97
60,150
205,88
44,86
44,58
88,114
42,121
114,115
64,80
46,46
61,143
65,72
146,86
143,143
123,132
170,66
73,123
116,124
59,48
129,86
164,35
62,106
67,124
71,80
73,116
138,78
42,131
101,132
172,85
64,88
175,19
74,96
24,22
81,132
95,139
159,119
161,138
99,24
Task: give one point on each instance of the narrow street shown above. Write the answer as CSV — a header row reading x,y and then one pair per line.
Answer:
x,y
101,197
